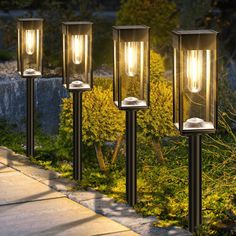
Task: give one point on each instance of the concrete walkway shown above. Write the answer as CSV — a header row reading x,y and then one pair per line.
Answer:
x,y
35,201
29,207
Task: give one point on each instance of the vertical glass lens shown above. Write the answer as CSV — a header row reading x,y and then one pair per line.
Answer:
x,y
197,100
133,71
194,70
176,87
79,56
131,58
77,42
30,41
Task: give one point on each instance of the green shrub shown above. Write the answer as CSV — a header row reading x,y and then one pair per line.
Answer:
x,y
102,121
160,15
156,122
157,67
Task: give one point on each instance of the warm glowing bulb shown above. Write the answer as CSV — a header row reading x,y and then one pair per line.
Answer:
x,y
30,41
77,48
131,58
194,70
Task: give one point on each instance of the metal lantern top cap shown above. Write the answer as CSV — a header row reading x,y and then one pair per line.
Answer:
x,y
190,32
127,33
75,27
77,23
30,19
194,39
30,22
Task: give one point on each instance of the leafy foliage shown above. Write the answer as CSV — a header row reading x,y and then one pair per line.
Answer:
x,y
102,121
156,122
14,4
191,12
157,67
221,17
227,96
160,15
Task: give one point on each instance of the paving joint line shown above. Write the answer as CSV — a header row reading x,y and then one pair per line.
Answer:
x,y
31,201
111,233
32,177
84,200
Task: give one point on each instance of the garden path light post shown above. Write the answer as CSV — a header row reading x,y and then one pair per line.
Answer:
x,y
29,66
77,78
131,89
195,103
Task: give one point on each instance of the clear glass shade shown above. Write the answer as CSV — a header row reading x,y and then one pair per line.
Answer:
x,y
29,53
194,72
77,55
131,72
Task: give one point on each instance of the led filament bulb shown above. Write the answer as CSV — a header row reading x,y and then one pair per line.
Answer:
x,y
77,42
194,70
131,58
30,42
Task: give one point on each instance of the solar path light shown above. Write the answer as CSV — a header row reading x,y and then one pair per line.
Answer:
x,y
195,102
29,66
131,89
77,78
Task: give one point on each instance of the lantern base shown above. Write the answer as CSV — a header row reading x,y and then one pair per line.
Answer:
x,y
130,101
77,84
140,104
31,73
194,123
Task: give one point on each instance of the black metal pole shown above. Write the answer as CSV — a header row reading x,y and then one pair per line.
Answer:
x,y
131,165
195,183
77,135
30,117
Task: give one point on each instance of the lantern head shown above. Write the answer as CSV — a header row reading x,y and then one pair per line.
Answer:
x,y
77,55
29,51
131,67
195,81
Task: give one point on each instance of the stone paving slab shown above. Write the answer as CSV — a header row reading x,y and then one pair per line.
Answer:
x,y
37,173
16,187
8,157
125,233
4,168
60,184
23,164
56,217
91,199
124,214
80,196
